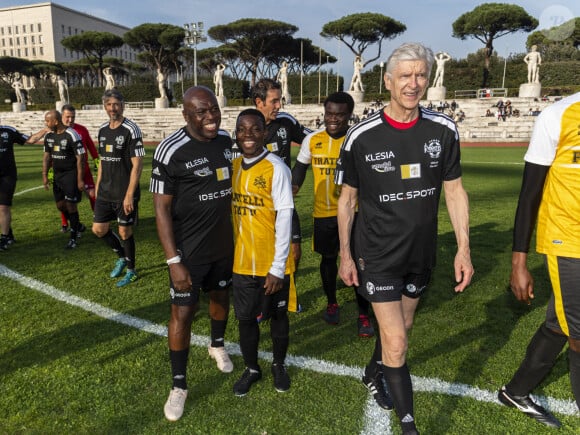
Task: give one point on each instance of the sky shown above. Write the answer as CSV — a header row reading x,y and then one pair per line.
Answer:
x,y
427,21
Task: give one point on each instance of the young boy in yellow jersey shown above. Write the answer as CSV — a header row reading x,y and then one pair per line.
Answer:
x,y
262,207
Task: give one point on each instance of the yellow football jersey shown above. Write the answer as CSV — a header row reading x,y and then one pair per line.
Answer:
x,y
556,142
255,199
321,151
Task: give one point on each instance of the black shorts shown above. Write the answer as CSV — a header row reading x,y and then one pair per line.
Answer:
x,y
106,211
377,288
7,188
65,187
204,277
250,300
325,236
296,232
563,312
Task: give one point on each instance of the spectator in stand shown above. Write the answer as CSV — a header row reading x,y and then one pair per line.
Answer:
x,y
459,116
488,113
508,108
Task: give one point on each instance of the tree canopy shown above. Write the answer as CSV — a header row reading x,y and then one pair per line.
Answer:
x,y
558,43
11,66
359,31
490,21
252,39
159,44
93,45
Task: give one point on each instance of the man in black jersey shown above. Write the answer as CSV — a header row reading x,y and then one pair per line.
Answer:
x,y
8,175
65,153
192,192
282,130
117,188
392,166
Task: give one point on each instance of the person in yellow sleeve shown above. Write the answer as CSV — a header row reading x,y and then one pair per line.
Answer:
x,y
550,193
262,208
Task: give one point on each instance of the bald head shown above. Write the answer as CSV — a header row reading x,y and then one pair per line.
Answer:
x,y
202,113
53,120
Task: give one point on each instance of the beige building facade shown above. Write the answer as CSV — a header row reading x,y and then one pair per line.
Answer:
x,y
35,31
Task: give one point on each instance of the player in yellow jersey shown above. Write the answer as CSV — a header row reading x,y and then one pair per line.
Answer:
x,y
551,192
262,207
321,149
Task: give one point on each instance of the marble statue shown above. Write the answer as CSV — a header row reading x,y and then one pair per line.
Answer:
x,y
109,79
17,86
533,60
282,78
62,89
440,59
356,81
161,83
218,80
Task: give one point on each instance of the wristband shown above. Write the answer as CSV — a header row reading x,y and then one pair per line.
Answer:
x,y
174,260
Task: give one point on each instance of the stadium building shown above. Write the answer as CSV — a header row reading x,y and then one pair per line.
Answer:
x,y
34,32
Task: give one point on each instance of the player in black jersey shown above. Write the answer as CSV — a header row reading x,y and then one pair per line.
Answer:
x,y
192,193
64,152
8,175
117,188
393,165
282,130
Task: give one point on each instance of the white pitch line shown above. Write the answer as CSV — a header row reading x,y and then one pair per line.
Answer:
x,y
493,163
376,420
22,192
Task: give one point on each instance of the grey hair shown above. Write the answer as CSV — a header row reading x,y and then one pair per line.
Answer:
x,y
410,51
113,93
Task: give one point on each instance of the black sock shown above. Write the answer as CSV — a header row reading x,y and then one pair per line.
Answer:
x,y
112,239
362,303
249,339
129,249
375,365
279,331
541,354
178,360
218,330
399,383
574,363
74,224
328,272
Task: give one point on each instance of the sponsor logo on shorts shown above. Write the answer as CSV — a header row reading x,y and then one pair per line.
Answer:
x,y
372,288
412,289
176,295
224,283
